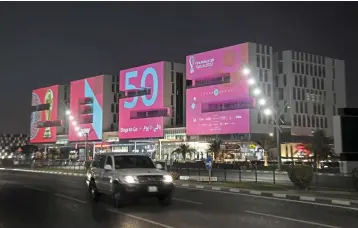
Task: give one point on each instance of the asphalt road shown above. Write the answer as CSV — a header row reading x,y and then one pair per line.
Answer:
x,y
51,201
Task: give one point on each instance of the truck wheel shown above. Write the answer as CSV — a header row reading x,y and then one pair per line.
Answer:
x,y
92,189
118,196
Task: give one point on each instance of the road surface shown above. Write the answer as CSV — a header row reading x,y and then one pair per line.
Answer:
x,y
47,200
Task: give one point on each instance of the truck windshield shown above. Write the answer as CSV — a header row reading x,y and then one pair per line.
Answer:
x,y
128,162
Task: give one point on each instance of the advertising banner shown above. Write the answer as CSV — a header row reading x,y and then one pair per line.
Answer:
x,y
44,115
142,109
86,106
219,100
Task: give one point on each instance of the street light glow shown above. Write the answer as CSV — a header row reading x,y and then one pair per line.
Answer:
x,y
79,134
77,128
246,71
262,101
267,112
71,117
68,112
271,134
257,91
74,123
251,81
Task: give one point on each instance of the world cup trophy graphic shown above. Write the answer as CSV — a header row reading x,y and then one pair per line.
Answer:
x,y
49,101
191,64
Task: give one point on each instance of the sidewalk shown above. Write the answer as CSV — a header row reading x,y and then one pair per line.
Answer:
x,y
317,196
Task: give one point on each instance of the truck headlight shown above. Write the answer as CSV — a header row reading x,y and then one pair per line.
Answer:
x,y
130,179
167,179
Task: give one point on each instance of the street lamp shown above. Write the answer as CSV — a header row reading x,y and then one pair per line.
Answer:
x,y
262,100
85,132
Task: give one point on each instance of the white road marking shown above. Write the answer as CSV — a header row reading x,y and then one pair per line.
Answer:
x,y
140,218
187,201
291,219
273,198
34,188
70,198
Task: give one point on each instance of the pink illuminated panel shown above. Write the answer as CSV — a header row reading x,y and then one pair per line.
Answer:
x,y
142,109
219,101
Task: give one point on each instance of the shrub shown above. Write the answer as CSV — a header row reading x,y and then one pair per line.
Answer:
x,y
355,178
175,175
301,175
88,165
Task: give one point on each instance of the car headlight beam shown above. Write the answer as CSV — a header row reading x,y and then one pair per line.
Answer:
x,y
130,179
167,179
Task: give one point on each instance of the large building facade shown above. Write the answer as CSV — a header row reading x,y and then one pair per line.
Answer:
x,y
155,107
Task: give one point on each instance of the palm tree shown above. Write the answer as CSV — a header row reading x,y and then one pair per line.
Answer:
x,y
215,148
267,143
320,145
184,149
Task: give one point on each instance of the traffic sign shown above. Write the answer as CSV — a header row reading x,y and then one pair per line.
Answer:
x,y
208,163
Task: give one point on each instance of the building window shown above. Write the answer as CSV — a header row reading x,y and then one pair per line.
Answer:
x,y
334,110
172,121
276,81
280,94
314,109
268,62
114,118
269,90
173,89
301,107
302,68
257,48
265,76
313,121
297,107
325,122
280,68
333,85
294,120
172,76
172,66
301,81
308,121
293,67
322,84
304,121
317,122
334,98
258,118
298,67
306,107
296,80
299,120
263,61
313,83
284,80
318,109
321,121
261,75
112,108
258,61
294,93
305,81
172,100
298,94
334,73
311,69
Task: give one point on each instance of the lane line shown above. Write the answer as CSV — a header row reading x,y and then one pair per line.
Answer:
x,y
140,218
187,201
69,198
273,198
293,220
34,188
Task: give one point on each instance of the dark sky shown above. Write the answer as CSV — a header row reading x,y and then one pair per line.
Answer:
x,y
53,43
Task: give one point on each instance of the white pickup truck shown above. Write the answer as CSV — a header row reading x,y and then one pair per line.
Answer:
x,y
128,176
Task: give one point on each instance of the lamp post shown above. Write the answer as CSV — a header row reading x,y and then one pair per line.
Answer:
x,y
263,101
81,132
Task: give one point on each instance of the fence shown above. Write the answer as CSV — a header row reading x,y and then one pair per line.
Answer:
x,y
241,174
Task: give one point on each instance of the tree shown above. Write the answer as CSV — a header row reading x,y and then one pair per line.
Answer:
x,y
267,143
320,146
184,149
215,148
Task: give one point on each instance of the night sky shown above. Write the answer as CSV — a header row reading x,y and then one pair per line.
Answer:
x,y
42,44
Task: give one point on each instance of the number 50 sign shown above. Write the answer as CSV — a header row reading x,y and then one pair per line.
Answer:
x,y
144,77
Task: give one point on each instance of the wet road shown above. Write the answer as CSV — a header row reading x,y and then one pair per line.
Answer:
x,y
46,201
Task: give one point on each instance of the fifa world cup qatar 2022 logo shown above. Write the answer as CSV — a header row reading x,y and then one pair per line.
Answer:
x,y
191,64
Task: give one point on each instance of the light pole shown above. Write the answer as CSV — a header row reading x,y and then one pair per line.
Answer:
x,y
80,131
263,101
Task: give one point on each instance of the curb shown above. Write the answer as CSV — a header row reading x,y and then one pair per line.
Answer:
x,y
336,202
47,172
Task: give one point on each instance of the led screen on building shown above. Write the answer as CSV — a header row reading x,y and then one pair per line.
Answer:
x,y
86,106
44,115
141,105
218,101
